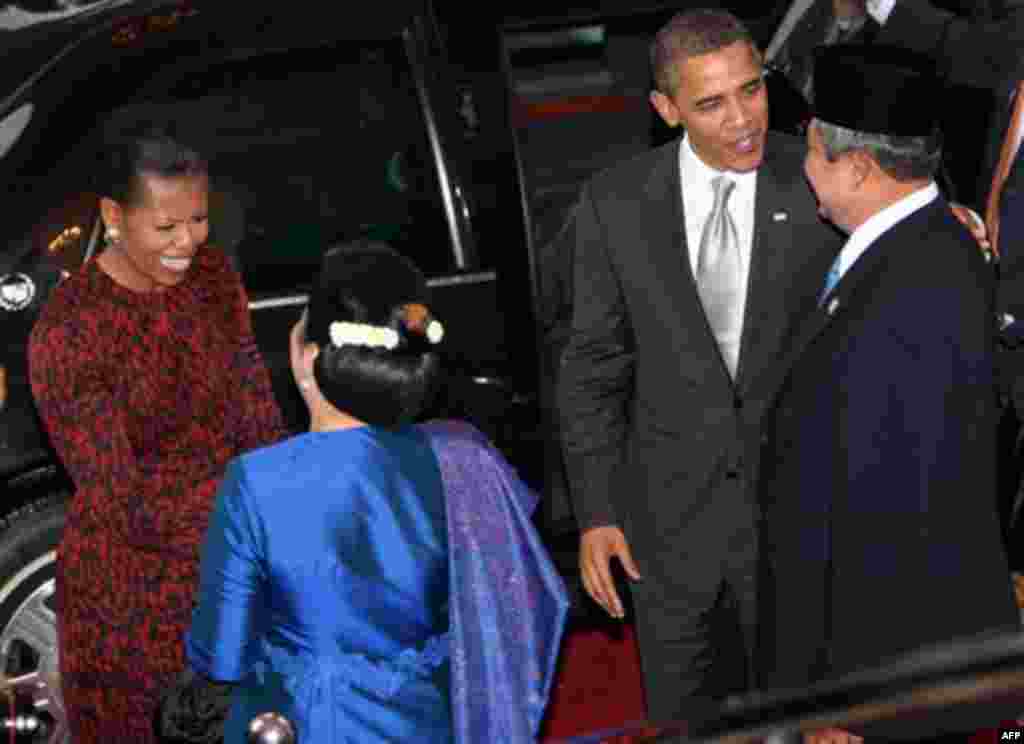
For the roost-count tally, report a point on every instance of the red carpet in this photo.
(598, 687)
(598, 684)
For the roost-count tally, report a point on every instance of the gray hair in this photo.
(692, 33)
(902, 158)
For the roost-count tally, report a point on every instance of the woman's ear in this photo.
(111, 212)
(310, 352)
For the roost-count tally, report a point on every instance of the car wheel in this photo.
(28, 621)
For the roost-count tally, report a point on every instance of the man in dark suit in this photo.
(691, 263)
(983, 49)
(880, 532)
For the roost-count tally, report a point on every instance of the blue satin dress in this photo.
(324, 588)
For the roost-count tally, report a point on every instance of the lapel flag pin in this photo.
(780, 216)
(833, 305)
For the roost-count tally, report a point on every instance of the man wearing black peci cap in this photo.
(977, 49)
(880, 533)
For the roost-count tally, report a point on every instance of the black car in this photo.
(321, 127)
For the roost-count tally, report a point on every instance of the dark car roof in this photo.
(527, 13)
(30, 52)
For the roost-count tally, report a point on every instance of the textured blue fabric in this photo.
(325, 565)
(508, 603)
(325, 589)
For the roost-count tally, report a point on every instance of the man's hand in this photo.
(597, 546)
(970, 219)
(832, 736)
(849, 9)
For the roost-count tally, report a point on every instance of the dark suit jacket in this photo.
(651, 418)
(878, 462)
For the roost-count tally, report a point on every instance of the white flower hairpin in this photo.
(415, 317)
(344, 333)
(435, 331)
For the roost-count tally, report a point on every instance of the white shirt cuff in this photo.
(880, 9)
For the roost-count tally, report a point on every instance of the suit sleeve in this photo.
(1010, 296)
(922, 433)
(596, 372)
(983, 54)
(921, 514)
(231, 583)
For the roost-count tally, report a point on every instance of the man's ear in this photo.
(666, 109)
(863, 164)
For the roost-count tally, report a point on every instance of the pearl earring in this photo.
(113, 235)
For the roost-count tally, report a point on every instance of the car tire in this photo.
(28, 623)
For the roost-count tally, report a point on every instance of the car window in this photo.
(308, 147)
(311, 147)
(13, 126)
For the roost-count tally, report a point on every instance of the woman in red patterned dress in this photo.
(146, 373)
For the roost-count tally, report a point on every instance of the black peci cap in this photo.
(876, 89)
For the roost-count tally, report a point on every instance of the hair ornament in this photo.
(417, 317)
(435, 331)
(344, 333)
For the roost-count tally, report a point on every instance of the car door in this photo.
(342, 140)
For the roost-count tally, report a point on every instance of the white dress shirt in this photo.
(862, 238)
(880, 9)
(698, 200)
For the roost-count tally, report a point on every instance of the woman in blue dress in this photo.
(374, 580)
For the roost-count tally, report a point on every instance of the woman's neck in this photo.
(117, 267)
(327, 420)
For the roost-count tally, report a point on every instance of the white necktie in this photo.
(718, 274)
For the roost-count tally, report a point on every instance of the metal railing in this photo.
(962, 686)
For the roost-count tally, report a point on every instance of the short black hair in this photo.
(369, 283)
(691, 33)
(131, 146)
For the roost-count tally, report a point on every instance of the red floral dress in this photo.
(146, 397)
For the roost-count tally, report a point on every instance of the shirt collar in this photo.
(697, 171)
(872, 228)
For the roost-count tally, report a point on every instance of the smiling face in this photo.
(159, 236)
(720, 100)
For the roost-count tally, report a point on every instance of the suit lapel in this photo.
(670, 260)
(772, 261)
